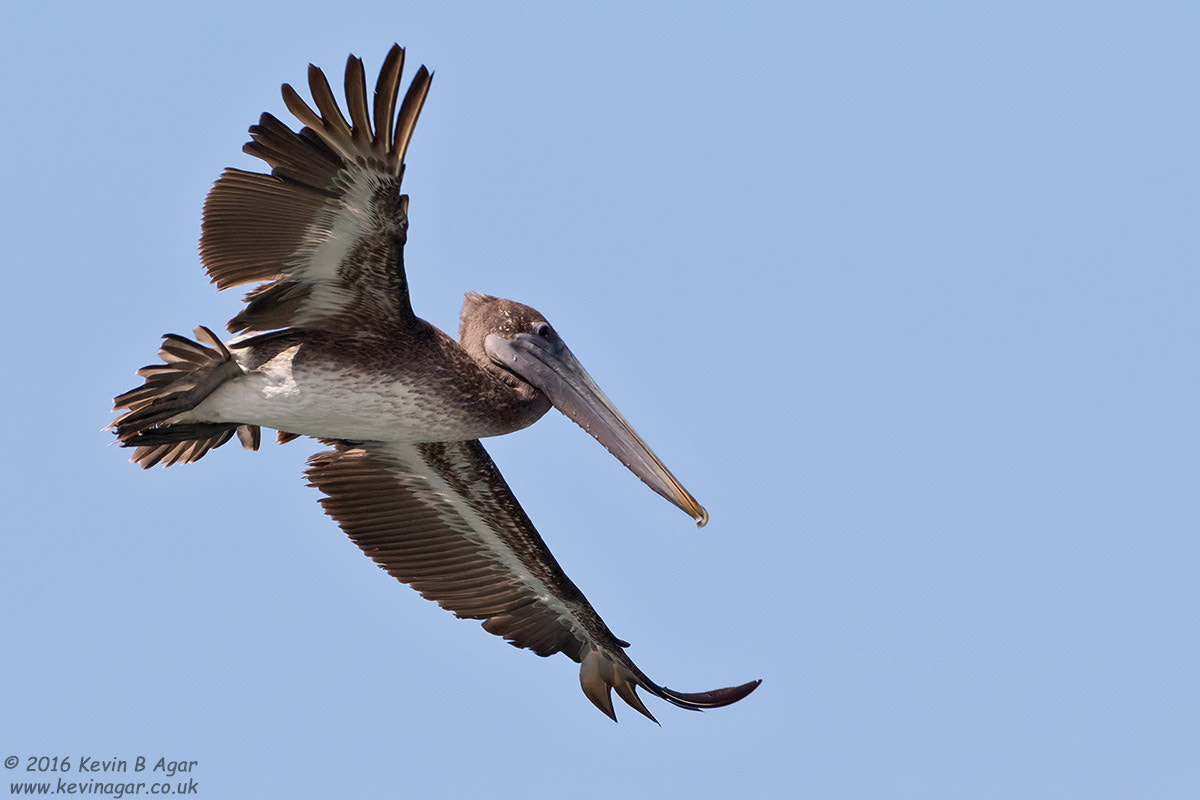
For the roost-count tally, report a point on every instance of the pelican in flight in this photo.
(329, 347)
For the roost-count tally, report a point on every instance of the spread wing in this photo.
(440, 517)
(325, 231)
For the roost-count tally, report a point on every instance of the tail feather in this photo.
(191, 371)
(172, 444)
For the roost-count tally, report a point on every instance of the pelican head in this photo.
(531, 355)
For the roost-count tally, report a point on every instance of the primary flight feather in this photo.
(331, 349)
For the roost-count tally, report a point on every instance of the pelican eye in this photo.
(542, 329)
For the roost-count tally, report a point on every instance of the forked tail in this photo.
(190, 372)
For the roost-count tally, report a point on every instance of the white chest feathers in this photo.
(337, 402)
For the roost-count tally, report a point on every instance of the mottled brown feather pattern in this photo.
(323, 236)
(326, 229)
(393, 502)
(440, 517)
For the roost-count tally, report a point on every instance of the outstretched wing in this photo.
(326, 229)
(440, 517)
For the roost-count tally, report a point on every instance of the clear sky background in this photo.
(905, 293)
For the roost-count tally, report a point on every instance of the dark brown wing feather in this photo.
(325, 231)
(441, 518)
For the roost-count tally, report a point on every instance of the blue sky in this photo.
(906, 294)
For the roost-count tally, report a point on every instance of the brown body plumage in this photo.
(334, 351)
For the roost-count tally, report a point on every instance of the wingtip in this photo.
(596, 677)
(716, 698)
(603, 701)
(601, 672)
(627, 689)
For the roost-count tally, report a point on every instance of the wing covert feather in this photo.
(325, 231)
(440, 517)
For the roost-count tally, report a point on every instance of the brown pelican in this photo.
(331, 349)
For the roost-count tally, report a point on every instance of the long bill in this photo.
(549, 365)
